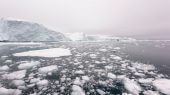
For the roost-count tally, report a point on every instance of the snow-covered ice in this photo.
(77, 90)
(4, 68)
(5, 91)
(110, 75)
(52, 52)
(47, 69)
(132, 86)
(28, 65)
(163, 85)
(15, 75)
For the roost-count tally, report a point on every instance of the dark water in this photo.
(153, 52)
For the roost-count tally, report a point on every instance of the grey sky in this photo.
(138, 18)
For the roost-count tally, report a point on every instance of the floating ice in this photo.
(117, 48)
(110, 75)
(149, 92)
(17, 83)
(85, 78)
(47, 69)
(163, 85)
(53, 52)
(115, 57)
(42, 83)
(77, 90)
(145, 81)
(77, 81)
(132, 86)
(101, 92)
(4, 68)
(79, 72)
(93, 56)
(144, 67)
(15, 75)
(4, 91)
(28, 65)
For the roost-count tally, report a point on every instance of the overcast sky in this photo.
(137, 18)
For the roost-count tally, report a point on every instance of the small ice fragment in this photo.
(47, 69)
(77, 90)
(110, 75)
(101, 92)
(79, 72)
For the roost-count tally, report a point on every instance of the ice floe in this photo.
(77, 90)
(132, 86)
(15, 75)
(42, 83)
(163, 85)
(100, 92)
(5, 91)
(52, 52)
(47, 69)
(110, 75)
(4, 68)
(28, 65)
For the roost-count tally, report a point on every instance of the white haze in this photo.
(144, 19)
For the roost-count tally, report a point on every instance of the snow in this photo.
(28, 65)
(15, 75)
(132, 86)
(163, 85)
(53, 52)
(4, 91)
(47, 69)
(77, 90)
(101, 92)
(110, 75)
(4, 68)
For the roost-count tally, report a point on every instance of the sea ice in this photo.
(4, 68)
(17, 83)
(163, 85)
(79, 72)
(28, 65)
(101, 92)
(53, 52)
(110, 75)
(77, 90)
(42, 83)
(132, 86)
(15, 75)
(47, 69)
(4, 91)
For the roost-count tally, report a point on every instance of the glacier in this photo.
(18, 30)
